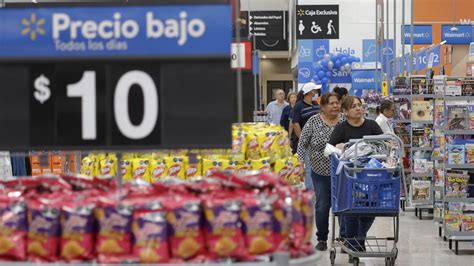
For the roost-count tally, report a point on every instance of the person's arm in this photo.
(296, 119)
(305, 139)
(284, 118)
(290, 129)
(297, 129)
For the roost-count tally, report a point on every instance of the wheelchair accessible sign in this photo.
(132, 31)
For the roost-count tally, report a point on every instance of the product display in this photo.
(75, 218)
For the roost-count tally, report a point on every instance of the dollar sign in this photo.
(42, 92)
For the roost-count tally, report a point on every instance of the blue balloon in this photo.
(318, 82)
(337, 64)
(324, 63)
(357, 59)
(316, 77)
(333, 57)
(325, 80)
(321, 74)
(317, 68)
(344, 60)
(328, 74)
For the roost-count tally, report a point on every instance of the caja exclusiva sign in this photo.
(165, 31)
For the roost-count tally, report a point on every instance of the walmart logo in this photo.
(32, 27)
(300, 12)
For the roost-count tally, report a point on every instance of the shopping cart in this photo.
(362, 192)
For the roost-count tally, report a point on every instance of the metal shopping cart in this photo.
(361, 192)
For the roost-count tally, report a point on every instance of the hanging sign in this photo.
(461, 34)
(317, 22)
(267, 24)
(422, 34)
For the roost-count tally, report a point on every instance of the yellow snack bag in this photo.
(126, 168)
(267, 144)
(244, 166)
(108, 166)
(210, 166)
(157, 169)
(175, 167)
(227, 165)
(87, 166)
(193, 169)
(262, 165)
(252, 146)
(141, 169)
(282, 169)
(239, 142)
(298, 170)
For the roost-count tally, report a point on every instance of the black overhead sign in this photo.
(267, 24)
(317, 22)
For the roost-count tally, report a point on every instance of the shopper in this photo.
(355, 127)
(285, 120)
(385, 111)
(303, 111)
(275, 108)
(341, 92)
(313, 139)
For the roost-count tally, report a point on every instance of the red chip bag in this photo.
(223, 226)
(297, 233)
(308, 215)
(257, 218)
(184, 217)
(282, 223)
(12, 226)
(114, 228)
(77, 236)
(150, 232)
(44, 228)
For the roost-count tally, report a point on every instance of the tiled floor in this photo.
(419, 245)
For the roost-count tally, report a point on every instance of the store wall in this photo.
(261, 5)
(441, 12)
(274, 69)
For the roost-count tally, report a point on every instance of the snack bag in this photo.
(239, 142)
(298, 170)
(185, 218)
(13, 228)
(126, 168)
(87, 166)
(114, 228)
(150, 232)
(209, 167)
(231, 166)
(223, 226)
(193, 166)
(282, 169)
(258, 225)
(267, 143)
(252, 146)
(298, 222)
(175, 166)
(77, 237)
(243, 167)
(262, 165)
(157, 169)
(108, 167)
(141, 169)
(282, 224)
(44, 228)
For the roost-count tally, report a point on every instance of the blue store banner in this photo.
(463, 35)
(125, 31)
(422, 34)
(363, 80)
(369, 50)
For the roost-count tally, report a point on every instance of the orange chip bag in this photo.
(184, 215)
(258, 224)
(175, 166)
(223, 226)
(13, 226)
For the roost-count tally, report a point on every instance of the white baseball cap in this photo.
(310, 86)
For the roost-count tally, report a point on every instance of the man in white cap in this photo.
(303, 111)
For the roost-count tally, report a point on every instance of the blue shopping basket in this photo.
(363, 191)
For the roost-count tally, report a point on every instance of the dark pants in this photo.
(357, 227)
(322, 189)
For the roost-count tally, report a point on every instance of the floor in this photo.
(419, 245)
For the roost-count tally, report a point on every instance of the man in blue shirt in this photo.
(275, 108)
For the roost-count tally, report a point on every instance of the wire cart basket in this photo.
(367, 192)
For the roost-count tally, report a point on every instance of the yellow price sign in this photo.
(384, 88)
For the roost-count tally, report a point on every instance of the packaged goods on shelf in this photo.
(422, 111)
(255, 146)
(457, 185)
(226, 217)
(421, 190)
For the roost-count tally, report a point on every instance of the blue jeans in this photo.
(308, 181)
(322, 188)
(357, 227)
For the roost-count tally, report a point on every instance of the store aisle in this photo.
(419, 245)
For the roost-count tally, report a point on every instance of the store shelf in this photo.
(423, 95)
(402, 96)
(421, 148)
(438, 158)
(421, 174)
(468, 200)
(455, 235)
(460, 166)
(422, 122)
(407, 145)
(402, 121)
(459, 132)
(459, 98)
